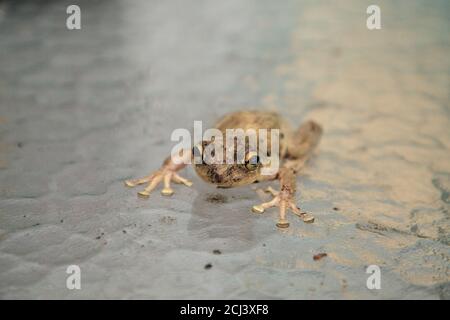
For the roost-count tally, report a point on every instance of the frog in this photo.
(296, 146)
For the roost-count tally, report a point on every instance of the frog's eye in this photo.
(197, 152)
(252, 161)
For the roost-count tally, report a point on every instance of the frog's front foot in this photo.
(167, 174)
(284, 201)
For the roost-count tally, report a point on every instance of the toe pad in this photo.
(129, 183)
(143, 194)
(257, 209)
(282, 224)
(167, 192)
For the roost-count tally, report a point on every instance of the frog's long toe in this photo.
(306, 217)
(135, 182)
(266, 205)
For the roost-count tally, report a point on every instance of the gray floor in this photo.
(80, 111)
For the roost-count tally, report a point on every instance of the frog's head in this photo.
(225, 174)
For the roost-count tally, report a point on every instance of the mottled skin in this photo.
(295, 148)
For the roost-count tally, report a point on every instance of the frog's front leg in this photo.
(285, 199)
(167, 173)
(302, 144)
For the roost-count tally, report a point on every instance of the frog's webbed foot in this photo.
(167, 174)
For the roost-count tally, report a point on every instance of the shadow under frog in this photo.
(221, 218)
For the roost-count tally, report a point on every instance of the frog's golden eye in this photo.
(252, 161)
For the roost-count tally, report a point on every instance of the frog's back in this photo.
(251, 120)
(257, 120)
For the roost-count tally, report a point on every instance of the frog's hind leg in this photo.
(302, 144)
(167, 173)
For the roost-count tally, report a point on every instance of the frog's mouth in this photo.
(226, 176)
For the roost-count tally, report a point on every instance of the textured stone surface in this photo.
(80, 111)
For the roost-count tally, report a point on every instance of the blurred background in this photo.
(83, 110)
